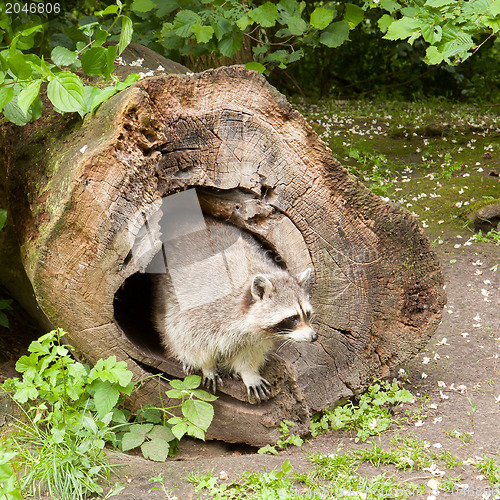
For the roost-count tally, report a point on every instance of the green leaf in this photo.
(156, 450)
(101, 96)
(438, 3)
(199, 413)
(143, 5)
(161, 432)
(28, 95)
(401, 29)
(335, 35)
(110, 9)
(179, 429)
(353, 15)
(61, 56)
(6, 95)
(126, 34)
(495, 7)
(183, 21)
(222, 27)
(384, 22)
(65, 91)
(321, 17)
(432, 33)
(390, 5)
(105, 397)
(196, 432)
(243, 22)
(230, 44)
(203, 34)
(131, 440)
(4, 321)
(111, 53)
(296, 25)
(14, 114)
(94, 61)
(3, 218)
(255, 66)
(266, 15)
(191, 382)
(203, 395)
(19, 66)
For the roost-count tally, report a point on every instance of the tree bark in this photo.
(75, 191)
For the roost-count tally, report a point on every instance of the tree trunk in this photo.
(77, 191)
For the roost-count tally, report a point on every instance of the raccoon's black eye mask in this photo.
(288, 323)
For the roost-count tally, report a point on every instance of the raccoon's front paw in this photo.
(210, 380)
(260, 389)
(188, 369)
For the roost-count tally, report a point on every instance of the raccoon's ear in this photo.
(303, 277)
(260, 286)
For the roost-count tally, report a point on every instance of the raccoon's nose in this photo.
(314, 336)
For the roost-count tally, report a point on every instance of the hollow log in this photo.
(77, 193)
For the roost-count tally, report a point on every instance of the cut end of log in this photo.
(254, 162)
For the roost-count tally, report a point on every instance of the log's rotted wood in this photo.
(377, 289)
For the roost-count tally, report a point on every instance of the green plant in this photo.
(68, 409)
(370, 417)
(71, 412)
(162, 487)
(460, 434)
(491, 236)
(9, 484)
(490, 469)
(157, 436)
(287, 438)
(24, 68)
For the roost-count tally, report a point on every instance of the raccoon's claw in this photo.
(210, 381)
(261, 390)
(188, 369)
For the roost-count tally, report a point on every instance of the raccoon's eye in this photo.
(288, 323)
(308, 314)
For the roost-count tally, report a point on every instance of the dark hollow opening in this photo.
(133, 313)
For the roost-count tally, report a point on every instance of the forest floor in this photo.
(441, 161)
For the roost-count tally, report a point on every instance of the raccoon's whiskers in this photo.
(288, 341)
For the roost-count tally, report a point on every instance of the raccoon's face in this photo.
(277, 305)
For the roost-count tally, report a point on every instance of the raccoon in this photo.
(230, 325)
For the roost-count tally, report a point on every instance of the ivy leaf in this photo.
(61, 56)
(321, 17)
(203, 34)
(65, 91)
(126, 34)
(266, 15)
(94, 61)
(335, 35)
(255, 66)
(230, 44)
(353, 15)
(401, 29)
(28, 95)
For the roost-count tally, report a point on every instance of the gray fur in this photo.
(235, 332)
